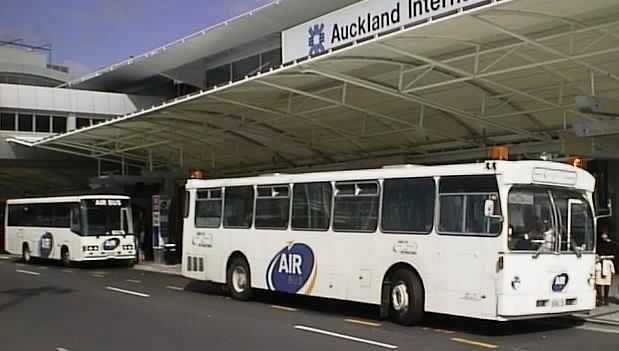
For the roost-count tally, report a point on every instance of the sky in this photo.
(89, 34)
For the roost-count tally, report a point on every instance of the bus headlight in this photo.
(516, 283)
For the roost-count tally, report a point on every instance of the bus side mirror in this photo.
(489, 210)
(605, 212)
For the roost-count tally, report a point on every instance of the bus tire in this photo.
(65, 256)
(238, 280)
(26, 256)
(406, 297)
(131, 263)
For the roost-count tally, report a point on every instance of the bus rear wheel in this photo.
(25, 254)
(406, 304)
(239, 279)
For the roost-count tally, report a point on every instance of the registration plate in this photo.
(558, 303)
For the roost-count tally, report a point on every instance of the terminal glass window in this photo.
(245, 67)
(25, 123)
(82, 122)
(7, 121)
(273, 207)
(462, 204)
(42, 124)
(356, 206)
(59, 124)
(408, 205)
(271, 59)
(311, 206)
(218, 76)
(208, 208)
(239, 207)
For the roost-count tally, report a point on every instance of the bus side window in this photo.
(311, 206)
(208, 208)
(75, 219)
(239, 207)
(272, 207)
(461, 201)
(408, 205)
(356, 206)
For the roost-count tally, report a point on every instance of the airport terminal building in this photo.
(299, 86)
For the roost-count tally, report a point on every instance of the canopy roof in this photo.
(445, 90)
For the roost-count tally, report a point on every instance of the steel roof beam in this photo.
(538, 44)
(378, 115)
(349, 138)
(417, 99)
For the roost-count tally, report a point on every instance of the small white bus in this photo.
(71, 228)
(495, 240)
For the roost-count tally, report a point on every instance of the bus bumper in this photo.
(511, 307)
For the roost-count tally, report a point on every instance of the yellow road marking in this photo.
(284, 308)
(362, 322)
(444, 331)
(474, 343)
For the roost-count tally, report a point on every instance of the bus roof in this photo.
(513, 172)
(64, 199)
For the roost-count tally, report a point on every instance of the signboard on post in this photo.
(157, 239)
(364, 20)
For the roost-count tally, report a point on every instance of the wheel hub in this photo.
(399, 297)
(239, 279)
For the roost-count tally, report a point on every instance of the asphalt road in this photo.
(47, 307)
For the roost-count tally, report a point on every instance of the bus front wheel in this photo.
(239, 279)
(406, 297)
(65, 257)
(25, 254)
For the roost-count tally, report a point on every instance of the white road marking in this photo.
(362, 322)
(600, 330)
(346, 337)
(134, 281)
(176, 288)
(129, 292)
(27, 272)
(20, 265)
(284, 308)
(5, 258)
(67, 271)
(98, 275)
(61, 349)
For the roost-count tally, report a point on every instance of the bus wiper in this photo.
(575, 249)
(539, 251)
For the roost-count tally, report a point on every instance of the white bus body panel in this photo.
(459, 273)
(40, 245)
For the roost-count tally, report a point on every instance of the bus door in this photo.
(469, 221)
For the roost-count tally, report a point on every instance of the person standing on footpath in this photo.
(604, 271)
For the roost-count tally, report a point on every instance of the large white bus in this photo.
(71, 228)
(496, 240)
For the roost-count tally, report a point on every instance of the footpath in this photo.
(608, 315)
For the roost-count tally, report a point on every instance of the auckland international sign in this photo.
(365, 19)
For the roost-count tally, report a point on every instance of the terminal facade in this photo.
(301, 86)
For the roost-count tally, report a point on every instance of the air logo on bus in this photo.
(46, 245)
(292, 270)
(560, 282)
(111, 244)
